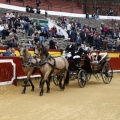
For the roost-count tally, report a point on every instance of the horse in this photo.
(49, 65)
(27, 62)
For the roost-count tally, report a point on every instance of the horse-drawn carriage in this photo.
(63, 69)
(86, 69)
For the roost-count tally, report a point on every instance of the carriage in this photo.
(86, 69)
(102, 69)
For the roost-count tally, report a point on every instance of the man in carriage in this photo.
(78, 54)
(70, 49)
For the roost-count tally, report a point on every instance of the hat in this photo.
(97, 51)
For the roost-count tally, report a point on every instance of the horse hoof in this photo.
(32, 90)
(23, 92)
(48, 91)
(41, 94)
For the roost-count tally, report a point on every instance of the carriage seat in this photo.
(103, 56)
(95, 65)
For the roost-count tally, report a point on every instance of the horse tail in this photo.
(67, 78)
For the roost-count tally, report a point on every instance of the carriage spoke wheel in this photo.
(82, 78)
(107, 73)
(56, 79)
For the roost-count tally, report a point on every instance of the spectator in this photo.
(98, 42)
(59, 34)
(42, 38)
(27, 8)
(38, 10)
(78, 40)
(5, 33)
(54, 30)
(8, 52)
(8, 1)
(38, 2)
(31, 10)
(87, 15)
(52, 44)
(12, 40)
(73, 35)
(13, 52)
(46, 14)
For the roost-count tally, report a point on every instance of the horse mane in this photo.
(45, 51)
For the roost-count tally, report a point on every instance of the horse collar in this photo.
(45, 61)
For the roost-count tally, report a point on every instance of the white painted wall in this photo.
(56, 13)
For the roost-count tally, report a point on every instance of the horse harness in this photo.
(29, 62)
(53, 66)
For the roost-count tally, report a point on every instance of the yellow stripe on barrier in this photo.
(55, 54)
(113, 55)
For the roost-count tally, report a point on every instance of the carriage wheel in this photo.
(107, 73)
(56, 80)
(82, 78)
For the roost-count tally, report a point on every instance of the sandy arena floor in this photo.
(96, 101)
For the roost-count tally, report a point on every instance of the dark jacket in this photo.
(70, 48)
(79, 52)
(51, 44)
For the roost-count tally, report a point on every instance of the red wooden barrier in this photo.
(115, 62)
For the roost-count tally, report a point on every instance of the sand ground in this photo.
(96, 101)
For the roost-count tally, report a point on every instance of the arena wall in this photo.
(19, 73)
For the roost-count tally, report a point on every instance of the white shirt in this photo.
(1, 27)
(59, 33)
(69, 27)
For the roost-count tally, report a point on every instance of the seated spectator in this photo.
(87, 15)
(12, 40)
(31, 10)
(38, 10)
(93, 16)
(52, 43)
(36, 37)
(59, 34)
(8, 52)
(13, 52)
(27, 8)
(5, 33)
(42, 38)
(110, 44)
(1, 28)
(78, 40)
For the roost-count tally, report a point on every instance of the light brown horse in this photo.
(27, 62)
(49, 65)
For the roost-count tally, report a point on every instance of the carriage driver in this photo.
(70, 48)
(78, 54)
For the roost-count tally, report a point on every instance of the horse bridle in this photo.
(28, 62)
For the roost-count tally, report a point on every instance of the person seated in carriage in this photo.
(70, 49)
(87, 59)
(78, 54)
(99, 59)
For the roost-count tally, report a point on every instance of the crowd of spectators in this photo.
(79, 33)
(105, 38)
(11, 22)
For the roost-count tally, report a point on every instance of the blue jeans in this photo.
(42, 39)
